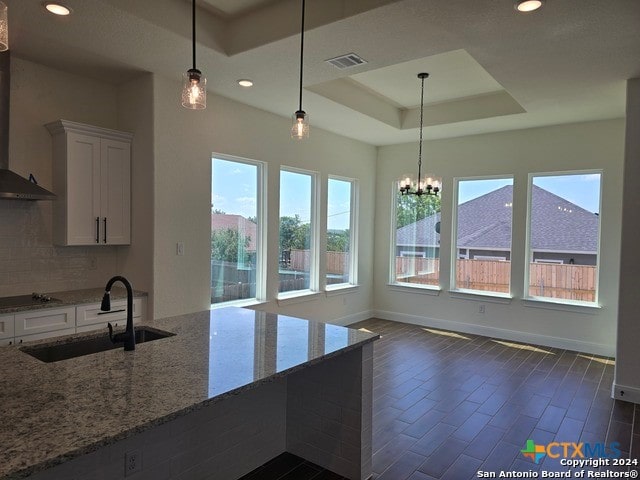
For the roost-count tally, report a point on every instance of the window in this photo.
(340, 232)
(415, 256)
(482, 238)
(564, 236)
(236, 246)
(297, 247)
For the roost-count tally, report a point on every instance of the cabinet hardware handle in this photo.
(105, 229)
(97, 229)
(112, 311)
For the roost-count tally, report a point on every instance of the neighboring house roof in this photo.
(485, 223)
(223, 221)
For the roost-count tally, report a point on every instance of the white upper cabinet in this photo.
(92, 178)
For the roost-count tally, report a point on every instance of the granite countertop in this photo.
(54, 412)
(74, 297)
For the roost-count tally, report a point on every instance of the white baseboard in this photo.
(626, 393)
(353, 318)
(487, 331)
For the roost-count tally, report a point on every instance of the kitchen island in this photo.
(230, 390)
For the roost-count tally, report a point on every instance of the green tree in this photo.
(411, 208)
(338, 240)
(294, 234)
(229, 246)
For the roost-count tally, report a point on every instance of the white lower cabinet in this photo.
(6, 330)
(90, 317)
(45, 320)
(54, 322)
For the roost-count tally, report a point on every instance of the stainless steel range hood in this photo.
(12, 185)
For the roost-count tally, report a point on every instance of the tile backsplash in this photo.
(30, 262)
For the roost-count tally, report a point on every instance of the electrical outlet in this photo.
(132, 462)
(180, 248)
(481, 308)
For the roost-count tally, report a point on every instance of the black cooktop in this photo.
(26, 300)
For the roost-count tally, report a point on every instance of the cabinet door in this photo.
(83, 189)
(91, 314)
(44, 321)
(115, 174)
(6, 327)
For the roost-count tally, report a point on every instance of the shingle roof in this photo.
(223, 221)
(485, 222)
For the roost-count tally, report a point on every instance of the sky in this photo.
(582, 190)
(234, 186)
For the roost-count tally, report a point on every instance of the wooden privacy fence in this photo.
(575, 282)
(553, 280)
(337, 262)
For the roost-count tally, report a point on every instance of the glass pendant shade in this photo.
(4, 28)
(300, 127)
(194, 90)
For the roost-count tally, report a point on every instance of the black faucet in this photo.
(129, 336)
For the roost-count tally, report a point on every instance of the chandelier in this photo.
(429, 186)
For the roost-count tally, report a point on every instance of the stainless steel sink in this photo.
(54, 352)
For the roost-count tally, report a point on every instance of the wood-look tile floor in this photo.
(447, 405)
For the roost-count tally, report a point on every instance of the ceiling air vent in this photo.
(346, 61)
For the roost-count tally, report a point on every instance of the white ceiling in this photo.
(565, 63)
(232, 7)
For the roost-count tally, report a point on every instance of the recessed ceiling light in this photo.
(528, 5)
(245, 82)
(57, 8)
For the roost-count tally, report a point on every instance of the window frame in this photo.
(261, 228)
(353, 232)
(454, 237)
(314, 232)
(529, 254)
(392, 278)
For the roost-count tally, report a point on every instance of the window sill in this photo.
(297, 297)
(340, 289)
(250, 302)
(481, 296)
(556, 304)
(410, 288)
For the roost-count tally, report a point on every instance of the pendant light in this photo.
(194, 84)
(300, 128)
(429, 186)
(4, 28)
